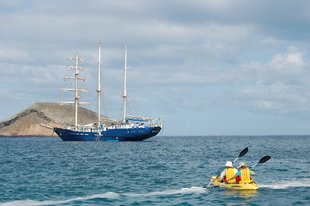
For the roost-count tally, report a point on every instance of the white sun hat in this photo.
(228, 164)
(241, 164)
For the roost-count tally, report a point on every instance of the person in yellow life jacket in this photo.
(245, 174)
(228, 175)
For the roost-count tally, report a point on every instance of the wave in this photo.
(191, 190)
(287, 184)
(107, 195)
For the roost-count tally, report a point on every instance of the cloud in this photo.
(293, 61)
(275, 86)
(30, 75)
(286, 66)
(278, 85)
(277, 97)
(14, 55)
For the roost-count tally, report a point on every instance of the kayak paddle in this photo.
(262, 160)
(241, 154)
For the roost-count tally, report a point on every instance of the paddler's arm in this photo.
(220, 177)
(236, 175)
(232, 177)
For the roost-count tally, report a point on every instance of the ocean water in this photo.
(159, 171)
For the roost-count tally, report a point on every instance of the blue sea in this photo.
(159, 171)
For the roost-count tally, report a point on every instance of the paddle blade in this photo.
(244, 151)
(264, 159)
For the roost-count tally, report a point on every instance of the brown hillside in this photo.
(34, 120)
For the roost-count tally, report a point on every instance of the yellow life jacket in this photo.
(245, 177)
(229, 173)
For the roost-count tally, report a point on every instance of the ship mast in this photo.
(125, 87)
(77, 91)
(99, 86)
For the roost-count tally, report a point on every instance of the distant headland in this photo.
(39, 119)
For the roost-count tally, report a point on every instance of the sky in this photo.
(224, 67)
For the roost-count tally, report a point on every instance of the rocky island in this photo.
(39, 119)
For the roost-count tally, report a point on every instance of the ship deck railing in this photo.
(91, 128)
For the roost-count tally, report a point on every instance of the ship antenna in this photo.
(99, 86)
(125, 87)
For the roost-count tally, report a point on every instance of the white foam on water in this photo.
(287, 184)
(20, 202)
(107, 195)
(191, 190)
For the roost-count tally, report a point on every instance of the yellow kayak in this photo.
(216, 183)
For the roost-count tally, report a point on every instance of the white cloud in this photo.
(277, 97)
(32, 76)
(291, 61)
(14, 55)
(278, 85)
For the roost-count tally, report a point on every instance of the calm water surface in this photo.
(160, 171)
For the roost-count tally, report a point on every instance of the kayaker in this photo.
(229, 174)
(244, 173)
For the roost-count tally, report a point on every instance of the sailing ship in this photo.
(130, 128)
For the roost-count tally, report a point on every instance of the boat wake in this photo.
(287, 184)
(191, 190)
(107, 195)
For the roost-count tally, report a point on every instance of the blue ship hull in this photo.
(121, 134)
